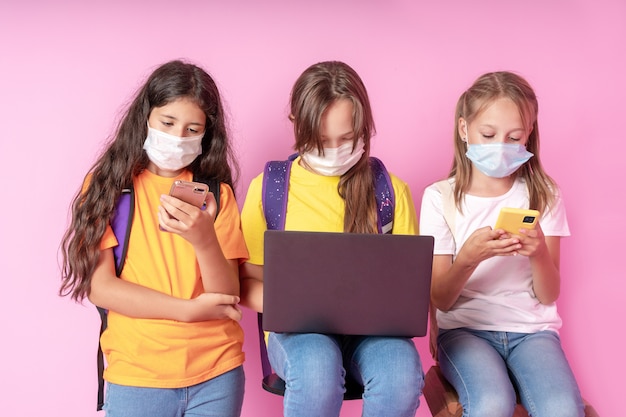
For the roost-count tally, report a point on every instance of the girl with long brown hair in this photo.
(173, 328)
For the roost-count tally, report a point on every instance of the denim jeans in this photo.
(221, 396)
(488, 369)
(314, 368)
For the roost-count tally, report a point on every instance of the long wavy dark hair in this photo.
(124, 158)
(484, 91)
(314, 91)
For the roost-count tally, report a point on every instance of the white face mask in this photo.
(171, 152)
(335, 161)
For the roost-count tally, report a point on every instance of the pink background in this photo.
(68, 67)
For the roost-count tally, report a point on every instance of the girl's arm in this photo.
(219, 275)
(252, 286)
(253, 225)
(112, 293)
(544, 253)
(449, 278)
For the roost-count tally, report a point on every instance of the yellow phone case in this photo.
(513, 219)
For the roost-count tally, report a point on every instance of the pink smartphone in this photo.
(190, 192)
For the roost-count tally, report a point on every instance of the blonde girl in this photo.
(496, 292)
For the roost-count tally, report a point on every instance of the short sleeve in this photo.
(404, 217)
(253, 221)
(554, 219)
(228, 226)
(433, 223)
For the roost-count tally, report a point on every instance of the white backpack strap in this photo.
(449, 214)
(449, 207)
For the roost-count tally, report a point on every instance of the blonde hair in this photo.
(318, 87)
(485, 90)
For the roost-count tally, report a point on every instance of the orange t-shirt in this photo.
(167, 353)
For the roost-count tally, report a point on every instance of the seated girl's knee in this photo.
(491, 405)
(408, 378)
(320, 389)
(564, 407)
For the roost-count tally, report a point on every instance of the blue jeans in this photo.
(314, 368)
(221, 396)
(488, 369)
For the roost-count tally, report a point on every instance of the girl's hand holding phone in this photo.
(524, 225)
(486, 243)
(187, 220)
(532, 241)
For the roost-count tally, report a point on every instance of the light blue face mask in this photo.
(497, 160)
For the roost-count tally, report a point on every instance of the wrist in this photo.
(466, 263)
(207, 243)
(184, 310)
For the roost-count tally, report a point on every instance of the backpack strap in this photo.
(121, 223)
(275, 191)
(214, 188)
(385, 198)
(266, 367)
(100, 359)
(446, 189)
(449, 206)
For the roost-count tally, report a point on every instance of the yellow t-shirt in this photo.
(314, 205)
(168, 353)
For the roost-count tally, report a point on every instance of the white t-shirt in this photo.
(499, 295)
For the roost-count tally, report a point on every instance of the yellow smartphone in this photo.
(190, 192)
(513, 219)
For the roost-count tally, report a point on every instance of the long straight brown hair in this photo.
(485, 90)
(314, 91)
(125, 158)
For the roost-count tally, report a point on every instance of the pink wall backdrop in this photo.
(68, 67)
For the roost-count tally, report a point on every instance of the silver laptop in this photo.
(345, 283)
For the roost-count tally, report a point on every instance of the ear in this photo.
(462, 128)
